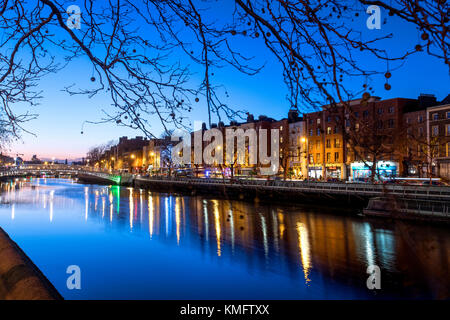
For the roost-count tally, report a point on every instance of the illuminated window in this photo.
(435, 116)
(337, 143)
(328, 130)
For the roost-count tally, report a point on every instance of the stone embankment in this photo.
(20, 279)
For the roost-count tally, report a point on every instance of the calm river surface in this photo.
(135, 244)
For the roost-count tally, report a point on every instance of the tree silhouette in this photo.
(142, 52)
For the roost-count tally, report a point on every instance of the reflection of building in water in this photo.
(309, 247)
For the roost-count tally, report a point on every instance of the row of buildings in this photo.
(362, 138)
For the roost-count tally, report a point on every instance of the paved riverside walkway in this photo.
(20, 279)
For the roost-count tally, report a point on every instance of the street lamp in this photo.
(305, 148)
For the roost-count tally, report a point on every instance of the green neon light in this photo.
(117, 179)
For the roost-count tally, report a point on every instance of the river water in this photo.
(135, 244)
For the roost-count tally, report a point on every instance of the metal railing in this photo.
(434, 192)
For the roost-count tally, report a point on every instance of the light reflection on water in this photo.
(131, 243)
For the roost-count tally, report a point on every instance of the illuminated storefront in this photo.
(315, 172)
(333, 171)
(384, 168)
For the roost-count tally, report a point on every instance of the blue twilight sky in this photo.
(57, 130)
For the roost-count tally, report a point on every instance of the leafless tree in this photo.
(96, 153)
(418, 148)
(143, 52)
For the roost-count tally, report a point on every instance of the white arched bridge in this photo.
(60, 170)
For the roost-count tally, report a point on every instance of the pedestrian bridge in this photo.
(58, 171)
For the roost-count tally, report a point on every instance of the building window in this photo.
(318, 120)
(328, 119)
(336, 157)
(317, 157)
(336, 130)
(357, 126)
(380, 110)
(281, 128)
(420, 119)
(337, 143)
(448, 114)
(391, 109)
(380, 124)
(435, 131)
(318, 131)
(447, 129)
(408, 121)
(356, 114)
(328, 130)
(328, 157)
(281, 139)
(365, 114)
(311, 132)
(347, 123)
(435, 116)
(311, 158)
(448, 150)
(421, 132)
(390, 123)
(328, 143)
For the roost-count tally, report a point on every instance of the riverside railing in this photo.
(428, 192)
